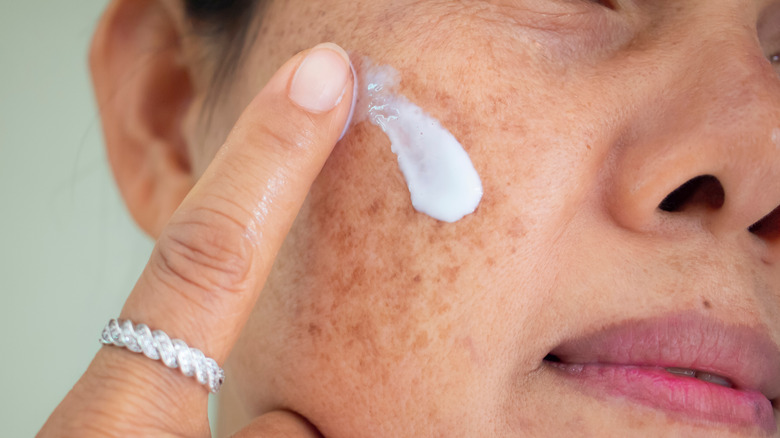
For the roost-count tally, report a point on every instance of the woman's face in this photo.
(581, 118)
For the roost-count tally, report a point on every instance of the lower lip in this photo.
(681, 396)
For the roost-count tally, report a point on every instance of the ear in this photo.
(144, 91)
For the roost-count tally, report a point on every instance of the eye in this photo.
(609, 4)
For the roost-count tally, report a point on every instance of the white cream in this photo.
(442, 180)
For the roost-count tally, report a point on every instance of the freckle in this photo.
(314, 330)
(491, 261)
(516, 229)
(445, 332)
(376, 207)
(358, 275)
(443, 309)
(477, 241)
(421, 341)
(417, 278)
(451, 273)
(707, 304)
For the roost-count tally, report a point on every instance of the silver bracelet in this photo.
(157, 345)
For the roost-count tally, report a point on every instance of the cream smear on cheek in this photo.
(441, 179)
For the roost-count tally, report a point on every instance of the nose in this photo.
(702, 147)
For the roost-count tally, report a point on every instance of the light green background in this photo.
(69, 253)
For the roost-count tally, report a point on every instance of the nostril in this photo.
(768, 228)
(704, 190)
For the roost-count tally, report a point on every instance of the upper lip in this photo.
(743, 354)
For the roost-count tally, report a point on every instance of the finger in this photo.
(214, 255)
(279, 424)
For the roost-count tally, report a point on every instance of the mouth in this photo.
(693, 368)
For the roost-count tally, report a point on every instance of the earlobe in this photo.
(144, 92)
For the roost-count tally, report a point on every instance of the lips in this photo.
(690, 366)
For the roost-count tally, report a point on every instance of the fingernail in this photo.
(321, 80)
(354, 101)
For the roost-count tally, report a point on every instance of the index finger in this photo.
(213, 257)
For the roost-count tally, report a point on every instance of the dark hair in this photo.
(226, 23)
(223, 17)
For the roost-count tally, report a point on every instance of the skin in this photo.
(379, 321)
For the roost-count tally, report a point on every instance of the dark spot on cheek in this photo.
(477, 241)
(706, 304)
(422, 341)
(516, 229)
(358, 275)
(449, 274)
(377, 207)
(314, 330)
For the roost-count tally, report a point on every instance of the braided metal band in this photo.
(157, 345)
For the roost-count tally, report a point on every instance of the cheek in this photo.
(368, 293)
(363, 315)
(371, 294)
(392, 276)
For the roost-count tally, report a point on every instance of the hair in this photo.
(219, 16)
(226, 24)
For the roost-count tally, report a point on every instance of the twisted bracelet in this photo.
(157, 345)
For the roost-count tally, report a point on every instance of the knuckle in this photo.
(209, 251)
(288, 134)
(111, 397)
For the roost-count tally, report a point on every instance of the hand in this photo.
(212, 259)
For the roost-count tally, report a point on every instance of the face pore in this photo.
(378, 320)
